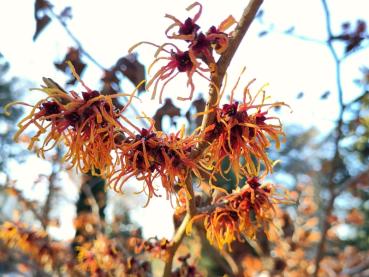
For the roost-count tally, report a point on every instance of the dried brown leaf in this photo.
(167, 109)
(73, 55)
(130, 67)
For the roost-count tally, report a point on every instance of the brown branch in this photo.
(28, 204)
(93, 204)
(216, 83)
(179, 235)
(221, 67)
(362, 179)
(336, 157)
(48, 202)
(356, 269)
(243, 25)
(52, 188)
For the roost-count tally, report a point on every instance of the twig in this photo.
(356, 269)
(179, 235)
(175, 243)
(29, 204)
(339, 134)
(85, 187)
(48, 202)
(347, 106)
(304, 38)
(75, 39)
(362, 177)
(50, 195)
(216, 83)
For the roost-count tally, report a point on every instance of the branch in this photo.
(347, 106)
(358, 99)
(28, 204)
(339, 135)
(75, 39)
(356, 269)
(179, 235)
(302, 37)
(221, 67)
(208, 119)
(48, 202)
(52, 189)
(362, 179)
(85, 187)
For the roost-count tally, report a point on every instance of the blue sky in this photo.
(108, 28)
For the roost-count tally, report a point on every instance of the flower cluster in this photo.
(242, 132)
(102, 257)
(158, 248)
(152, 154)
(33, 243)
(197, 58)
(241, 213)
(89, 125)
(101, 140)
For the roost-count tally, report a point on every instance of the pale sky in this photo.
(108, 28)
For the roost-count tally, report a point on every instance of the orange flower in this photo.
(104, 257)
(158, 248)
(239, 214)
(190, 61)
(31, 242)
(178, 62)
(150, 155)
(221, 227)
(242, 132)
(89, 125)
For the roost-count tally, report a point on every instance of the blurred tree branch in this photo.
(338, 136)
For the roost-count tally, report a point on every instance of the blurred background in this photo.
(314, 55)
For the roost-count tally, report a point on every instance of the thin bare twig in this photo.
(356, 269)
(28, 204)
(338, 137)
(51, 188)
(75, 39)
(85, 187)
(304, 38)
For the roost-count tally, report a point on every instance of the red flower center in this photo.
(188, 27)
(183, 60)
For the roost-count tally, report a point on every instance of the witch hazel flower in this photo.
(242, 132)
(88, 123)
(154, 155)
(196, 58)
(241, 213)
